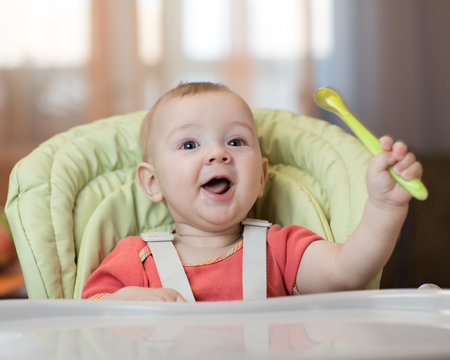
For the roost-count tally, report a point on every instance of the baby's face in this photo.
(206, 158)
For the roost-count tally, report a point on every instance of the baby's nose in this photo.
(220, 155)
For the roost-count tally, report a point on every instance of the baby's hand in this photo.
(381, 186)
(146, 294)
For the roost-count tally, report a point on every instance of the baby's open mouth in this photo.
(217, 186)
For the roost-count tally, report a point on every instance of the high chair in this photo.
(75, 196)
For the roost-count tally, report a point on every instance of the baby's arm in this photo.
(328, 266)
(138, 293)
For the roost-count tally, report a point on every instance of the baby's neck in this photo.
(197, 246)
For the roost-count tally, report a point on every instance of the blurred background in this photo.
(64, 63)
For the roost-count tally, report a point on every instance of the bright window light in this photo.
(322, 27)
(276, 28)
(150, 30)
(206, 29)
(44, 33)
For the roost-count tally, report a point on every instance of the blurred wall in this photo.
(391, 63)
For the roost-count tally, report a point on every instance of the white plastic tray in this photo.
(382, 324)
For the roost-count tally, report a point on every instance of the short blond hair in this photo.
(182, 90)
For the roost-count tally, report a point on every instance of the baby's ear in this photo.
(147, 181)
(264, 174)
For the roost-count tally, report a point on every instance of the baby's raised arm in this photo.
(328, 266)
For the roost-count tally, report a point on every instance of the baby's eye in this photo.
(189, 145)
(236, 142)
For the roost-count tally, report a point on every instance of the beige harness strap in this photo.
(254, 267)
(168, 263)
(254, 263)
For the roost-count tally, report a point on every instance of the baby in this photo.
(201, 158)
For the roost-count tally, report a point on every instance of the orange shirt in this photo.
(131, 264)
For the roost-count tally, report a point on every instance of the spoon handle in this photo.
(330, 100)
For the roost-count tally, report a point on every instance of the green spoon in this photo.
(330, 100)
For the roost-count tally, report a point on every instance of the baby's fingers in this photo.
(404, 162)
(386, 142)
(414, 169)
(398, 149)
(171, 295)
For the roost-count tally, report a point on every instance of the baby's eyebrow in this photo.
(250, 127)
(189, 126)
(179, 128)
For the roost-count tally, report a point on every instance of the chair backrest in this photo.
(75, 196)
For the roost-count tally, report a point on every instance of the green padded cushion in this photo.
(75, 196)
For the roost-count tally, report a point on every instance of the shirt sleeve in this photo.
(287, 245)
(122, 267)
